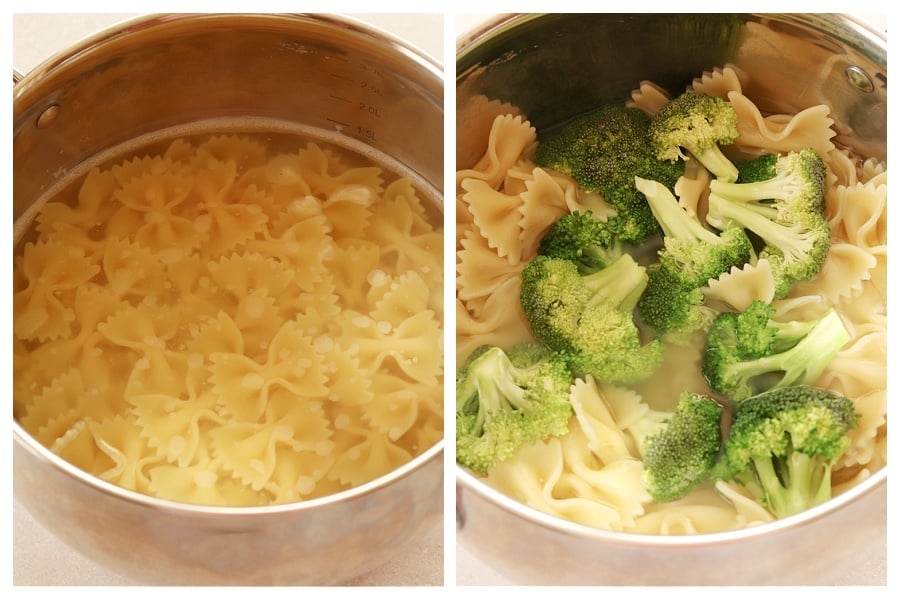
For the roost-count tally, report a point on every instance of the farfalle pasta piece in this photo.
(618, 483)
(146, 331)
(244, 150)
(349, 383)
(545, 200)
(809, 128)
(845, 269)
(300, 475)
(648, 97)
(225, 225)
(304, 247)
(692, 189)
(720, 81)
(511, 138)
(499, 320)
(83, 223)
(533, 476)
(154, 197)
(315, 311)
(171, 425)
(479, 270)
(497, 215)
(348, 210)
(351, 266)
(374, 456)
(132, 270)
(413, 344)
(49, 270)
(397, 227)
(249, 449)
(205, 483)
(291, 363)
(394, 409)
(859, 367)
(740, 286)
(407, 295)
(858, 213)
(602, 434)
(244, 273)
(123, 457)
(867, 436)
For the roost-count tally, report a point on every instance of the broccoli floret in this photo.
(699, 124)
(676, 311)
(786, 211)
(588, 318)
(583, 239)
(679, 448)
(759, 168)
(507, 399)
(690, 250)
(673, 303)
(603, 151)
(748, 352)
(782, 446)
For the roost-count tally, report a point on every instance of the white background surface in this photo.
(40, 559)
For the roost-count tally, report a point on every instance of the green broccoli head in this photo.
(554, 294)
(507, 399)
(673, 308)
(680, 451)
(698, 124)
(607, 345)
(749, 352)
(582, 238)
(786, 211)
(783, 443)
(604, 151)
(759, 168)
(588, 318)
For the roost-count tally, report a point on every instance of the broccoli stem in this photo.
(804, 361)
(620, 284)
(794, 241)
(793, 483)
(716, 162)
(673, 219)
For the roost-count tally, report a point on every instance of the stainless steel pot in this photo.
(553, 67)
(154, 73)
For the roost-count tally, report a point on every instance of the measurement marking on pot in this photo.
(341, 98)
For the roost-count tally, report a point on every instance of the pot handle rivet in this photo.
(47, 116)
(859, 79)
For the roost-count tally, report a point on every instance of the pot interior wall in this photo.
(554, 67)
(157, 74)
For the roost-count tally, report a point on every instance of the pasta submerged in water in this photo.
(225, 324)
(592, 474)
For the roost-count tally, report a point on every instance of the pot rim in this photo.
(136, 24)
(467, 482)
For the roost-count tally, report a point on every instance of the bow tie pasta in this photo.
(237, 319)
